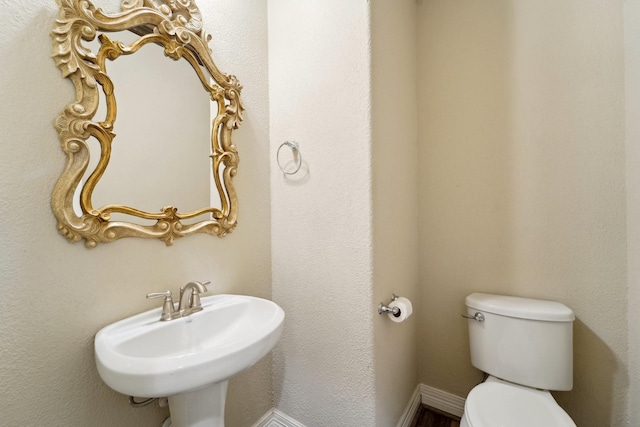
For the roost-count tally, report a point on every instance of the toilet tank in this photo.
(522, 340)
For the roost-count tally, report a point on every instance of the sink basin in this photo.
(144, 357)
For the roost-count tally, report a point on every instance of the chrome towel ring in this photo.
(295, 148)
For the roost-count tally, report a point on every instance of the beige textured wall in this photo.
(522, 182)
(395, 199)
(319, 83)
(632, 92)
(56, 296)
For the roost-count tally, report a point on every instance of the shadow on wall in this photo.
(595, 383)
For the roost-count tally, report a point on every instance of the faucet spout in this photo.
(190, 296)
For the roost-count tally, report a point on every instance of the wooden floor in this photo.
(429, 417)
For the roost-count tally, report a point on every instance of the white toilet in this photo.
(526, 348)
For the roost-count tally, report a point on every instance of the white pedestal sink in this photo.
(188, 359)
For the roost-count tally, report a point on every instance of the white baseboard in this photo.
(446, 402)
(430, 396)
(412, 408)
(275, 418)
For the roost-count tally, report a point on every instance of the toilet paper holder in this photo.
(393, 310)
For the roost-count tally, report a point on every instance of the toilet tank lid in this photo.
(522, 308)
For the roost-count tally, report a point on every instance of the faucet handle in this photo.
(167, 306)
(166, 294)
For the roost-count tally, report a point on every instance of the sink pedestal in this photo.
(200, 408)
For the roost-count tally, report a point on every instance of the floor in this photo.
(429, 417)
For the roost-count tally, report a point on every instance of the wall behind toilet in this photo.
(56, 296)
(522, 182)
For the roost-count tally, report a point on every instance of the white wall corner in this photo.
(427, 395)
(438, 399)
(412, 408)
(275, 418)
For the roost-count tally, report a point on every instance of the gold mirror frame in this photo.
(176, 25)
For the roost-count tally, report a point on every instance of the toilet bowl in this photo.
(525, 346)
(497, 403)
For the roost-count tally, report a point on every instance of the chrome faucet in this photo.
(189, 301)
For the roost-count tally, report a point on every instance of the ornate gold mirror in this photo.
(87, 45)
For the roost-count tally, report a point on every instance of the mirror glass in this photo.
(148, 137)
(160, 156)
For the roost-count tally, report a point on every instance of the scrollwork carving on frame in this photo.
(176, 25)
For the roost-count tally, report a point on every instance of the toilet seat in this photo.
(501, 404)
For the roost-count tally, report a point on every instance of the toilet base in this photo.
(498, 402)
